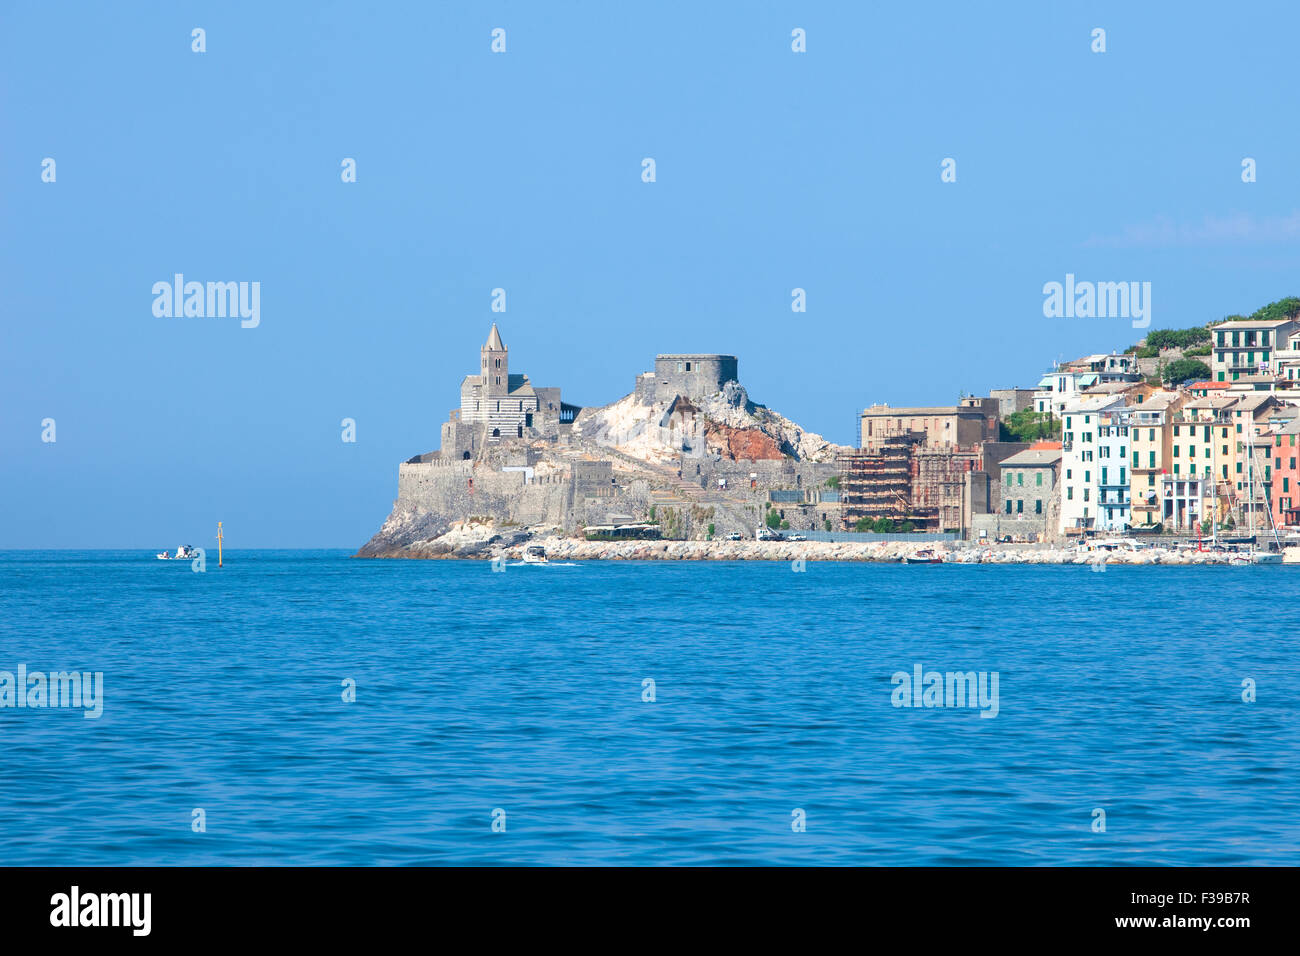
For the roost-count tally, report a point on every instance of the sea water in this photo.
(310, 708)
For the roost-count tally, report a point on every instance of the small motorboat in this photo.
(535, 554)
(924, 556)
(183, 553)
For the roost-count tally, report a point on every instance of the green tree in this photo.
(1028, 425)
(1281, 309)
(1185, 370)
(1174, 339)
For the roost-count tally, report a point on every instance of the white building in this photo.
(1250, 347)
(1081, 462)
(1113, 504)
(1287, 358)
(1057, 389)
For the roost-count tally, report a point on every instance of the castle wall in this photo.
(582, 492)
(695, 376)
(771, 473)
(444, 487)
(645, 388)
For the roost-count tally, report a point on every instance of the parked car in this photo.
(767, 534)
(796, 537)
(735, 536)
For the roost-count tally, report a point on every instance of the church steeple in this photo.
(495, 364)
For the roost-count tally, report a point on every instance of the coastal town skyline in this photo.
(375, 249)
(1186, 432)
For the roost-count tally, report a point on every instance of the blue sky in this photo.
(521, 170)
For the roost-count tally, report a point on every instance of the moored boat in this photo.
(923, 556)
(183, 553)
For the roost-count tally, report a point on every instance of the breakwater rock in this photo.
(486, 539)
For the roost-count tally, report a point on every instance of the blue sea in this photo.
(519, 698)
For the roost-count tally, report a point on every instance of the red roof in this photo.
(1044, 445)
(1208, 384)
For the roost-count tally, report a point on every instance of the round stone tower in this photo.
(697, 375)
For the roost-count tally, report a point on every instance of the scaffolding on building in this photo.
(877, 483)
(903, 479)
(939, 486)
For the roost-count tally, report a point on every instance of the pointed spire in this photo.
(494, 340)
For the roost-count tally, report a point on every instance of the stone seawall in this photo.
(458, 490)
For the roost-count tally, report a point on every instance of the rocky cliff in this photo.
(698, 466)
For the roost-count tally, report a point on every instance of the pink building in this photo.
(1286, 478)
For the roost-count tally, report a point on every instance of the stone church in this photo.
(496, 406)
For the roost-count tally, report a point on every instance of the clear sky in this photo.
(522, 170)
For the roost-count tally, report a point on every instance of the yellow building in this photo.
(1149, 440)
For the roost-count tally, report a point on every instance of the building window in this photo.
(1038, 506)
(1040, 478)
(1020, 506)
(1008, 506)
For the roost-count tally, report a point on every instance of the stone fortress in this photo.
(686, 449)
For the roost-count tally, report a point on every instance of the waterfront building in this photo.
(1081, 464)
(1150, 448)
(1029, 482)
(1286, 478)
(1113, 500)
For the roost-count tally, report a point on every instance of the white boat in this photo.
(1257, 555)
(923, 556)
(535, 554)
(183, 553)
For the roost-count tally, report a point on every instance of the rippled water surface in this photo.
(522, 691)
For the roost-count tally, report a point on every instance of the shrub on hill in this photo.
(1028, 425)
(1175, 339)
(1186, 370)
